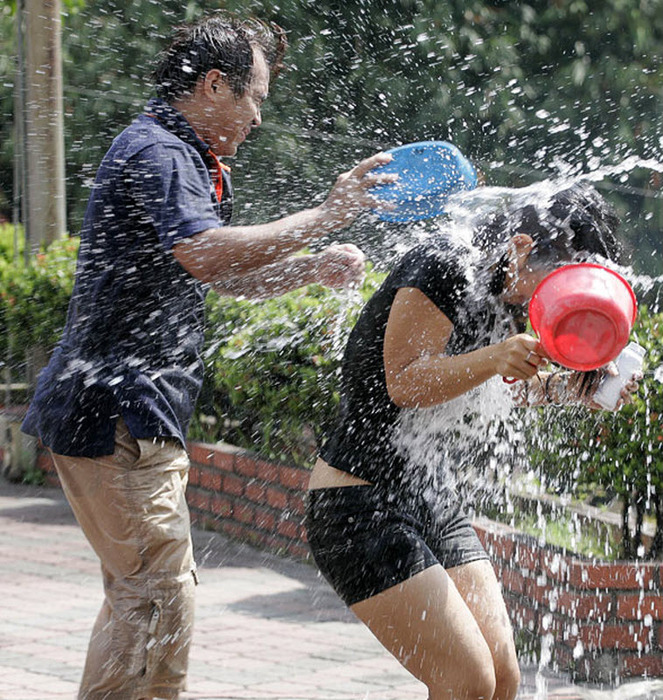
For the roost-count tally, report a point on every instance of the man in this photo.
(115, 401)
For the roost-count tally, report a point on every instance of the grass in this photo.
(565, 531)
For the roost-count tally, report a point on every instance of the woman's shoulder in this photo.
(442, 257)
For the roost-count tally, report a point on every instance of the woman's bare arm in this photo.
(418, 372)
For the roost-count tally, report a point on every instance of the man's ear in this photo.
(213, 82)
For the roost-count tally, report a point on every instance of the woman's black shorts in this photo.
(365, 541)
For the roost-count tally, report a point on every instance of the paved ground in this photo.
(267, 628)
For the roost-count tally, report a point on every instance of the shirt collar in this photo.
(173, 120)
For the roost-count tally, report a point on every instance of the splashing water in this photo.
(447, 438)
(349, 300)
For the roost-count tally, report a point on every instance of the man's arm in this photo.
(337, 266)
(219, 256)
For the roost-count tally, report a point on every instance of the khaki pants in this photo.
(132, 509)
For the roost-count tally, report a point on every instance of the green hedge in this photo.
(33, 296)
(273, 369)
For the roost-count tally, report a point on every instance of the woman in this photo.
(384, 519)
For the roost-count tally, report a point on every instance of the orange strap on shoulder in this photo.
(219, 167)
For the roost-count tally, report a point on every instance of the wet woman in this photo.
(385, 523)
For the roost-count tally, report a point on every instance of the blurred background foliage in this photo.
(526, 90)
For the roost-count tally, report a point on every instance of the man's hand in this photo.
(341, 266)
(349, 196)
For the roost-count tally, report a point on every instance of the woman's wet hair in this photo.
(220, 41)
(575, 224)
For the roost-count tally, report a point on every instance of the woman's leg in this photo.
(425, 623)
(479, 588)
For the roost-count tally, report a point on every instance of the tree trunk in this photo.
(627, 548)
(43, 118)
(656, 548)
(636, 546)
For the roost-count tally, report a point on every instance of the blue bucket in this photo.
(428, 172)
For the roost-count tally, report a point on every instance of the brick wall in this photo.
(247, 498)
(598, 620)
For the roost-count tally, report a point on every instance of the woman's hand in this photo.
(518, 357)
(580, 387)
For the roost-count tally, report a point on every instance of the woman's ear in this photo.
(520, 246)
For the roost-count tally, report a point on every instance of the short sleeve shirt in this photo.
(361, 442)
(132, 342)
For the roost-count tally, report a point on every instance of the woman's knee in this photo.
(475, 684)
(507, 675)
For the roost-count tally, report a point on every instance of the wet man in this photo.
(115, 401)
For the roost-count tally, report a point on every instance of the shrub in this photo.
(273, 369)
(35, 295)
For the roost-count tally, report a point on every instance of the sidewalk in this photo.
(267, 628)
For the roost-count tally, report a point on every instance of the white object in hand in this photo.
(629, 361)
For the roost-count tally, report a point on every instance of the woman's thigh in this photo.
(479, 588)
(427, 625)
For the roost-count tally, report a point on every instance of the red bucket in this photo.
(583, 314)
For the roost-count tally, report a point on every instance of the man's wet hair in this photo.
(220, 41)
(574, 224)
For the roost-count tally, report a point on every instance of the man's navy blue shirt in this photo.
(132, 343)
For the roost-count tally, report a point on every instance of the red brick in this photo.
(255, 492)
(289, 528)
(246, 465)
(267, 471)
(294, 477)
(539, 591)
(298, 551)
(223, 460)
(564, 660)
(265, 520)
(512, 580)
(499, 546)
(650, 665)
(555, 565)
(244, 513)
(626, 636)
(526, 557)
(296, 503)
(235, 529)
(198, 499)
(194, 475)
(210, 480)
(277, 498)
(586, 607)
(200, 453)
(623, 576)
(521, 616)
(233, 484)
(221, 505)
(634, 607)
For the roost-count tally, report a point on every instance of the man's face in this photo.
(230, 119)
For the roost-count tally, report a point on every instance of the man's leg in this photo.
(132, 509)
